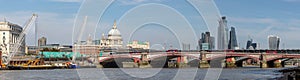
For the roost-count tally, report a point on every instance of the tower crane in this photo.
(15, 48)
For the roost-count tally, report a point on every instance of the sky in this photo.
(161, 22)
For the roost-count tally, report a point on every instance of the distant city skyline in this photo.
(256, 18)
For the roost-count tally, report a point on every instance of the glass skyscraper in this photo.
(223, 34)
(232, 39)
(273, 42)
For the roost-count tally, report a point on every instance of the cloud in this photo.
(66, 1)
(135, 2)
(56, 27)
(260, 28)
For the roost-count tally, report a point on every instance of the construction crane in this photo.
(79, 39)
(7, 58)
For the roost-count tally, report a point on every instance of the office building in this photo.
(273, 42)
(222, 34)
(232, 39)
(206, 42)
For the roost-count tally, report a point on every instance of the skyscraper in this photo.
(206, 42)
(223, 34)
(273, 42)
(249, 42)
(232, 39)
(212, 43)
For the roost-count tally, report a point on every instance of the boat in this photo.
(36, 64)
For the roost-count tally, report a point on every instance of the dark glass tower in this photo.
(249, 42)
(232, 39)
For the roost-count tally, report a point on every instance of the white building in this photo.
(223, 34)
(140, 45)
(9, 34)
(113, 40)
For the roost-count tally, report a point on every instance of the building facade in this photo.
(88, 47)
(273, 42)
(232, 39)
(223, 34)
(139, 45)
(42, 41)
(113, 39)
(9, 34)
(250, 45)
(206, 42)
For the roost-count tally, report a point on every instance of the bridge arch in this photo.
(173, 55)
(165, 60)
(117, 61)
(116, 57)
(230, 56)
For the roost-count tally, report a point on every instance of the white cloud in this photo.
(286, 30)
(56, 27)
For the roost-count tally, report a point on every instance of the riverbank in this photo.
(290, 73)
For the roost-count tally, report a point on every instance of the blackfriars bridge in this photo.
(201, 59)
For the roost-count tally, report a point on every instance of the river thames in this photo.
(140, 74)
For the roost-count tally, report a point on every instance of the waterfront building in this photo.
(42, 41)
(232, 39)
(48, 47)
(222, 34)
(273, 42)
(206, 42)
(113, 40)
(138, 45)
(87, 47)
(9, 34)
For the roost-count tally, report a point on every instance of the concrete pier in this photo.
(144, 64)
(204, 64)
(129, 65)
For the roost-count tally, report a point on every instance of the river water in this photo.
(142, 74)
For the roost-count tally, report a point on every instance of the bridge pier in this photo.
(203, 63)
(144, 62)
(230, 63)
(263, 64)
(181, 62)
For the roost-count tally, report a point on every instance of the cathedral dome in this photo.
(114, 33)
(114, 38)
